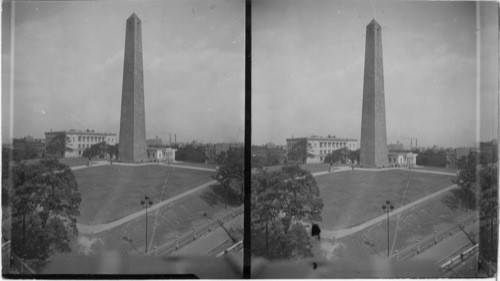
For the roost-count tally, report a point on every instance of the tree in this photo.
(112, 150)
(99, 150)
(488, 212)
(45, 205)
(190, 153)
(231, 173)
(432, 158)
(58, 145)
(281, 202)
(467, 180)
(488, 152)
(299, 152)
(354, 155)
(338, 156)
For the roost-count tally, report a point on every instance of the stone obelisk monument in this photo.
(373, 149)
(132, 144)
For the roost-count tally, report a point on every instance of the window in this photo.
(79, 138)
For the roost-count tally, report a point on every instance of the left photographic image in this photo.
(123, 138)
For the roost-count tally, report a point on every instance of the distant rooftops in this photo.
(321, 138)
(80, 132)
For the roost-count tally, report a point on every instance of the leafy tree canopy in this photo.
(432, 158)
(99, 150)
(190, 153)
(45, 204)
(342, 156)
(299, 152)
(281, 201)
(231, 173)
(58, 145)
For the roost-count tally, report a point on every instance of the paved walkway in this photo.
(346, 168)
(107, 163)
(93, 229)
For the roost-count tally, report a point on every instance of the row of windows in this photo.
(92, 139)
(335, 144)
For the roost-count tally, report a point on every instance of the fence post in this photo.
(435, 237)
(156, 252)
(397, 255)
(450, 229)
(209, 225)
(418, 246)
(177, 242)
(194, 233)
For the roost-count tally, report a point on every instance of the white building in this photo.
(78, 140)
(318, 147)
(402, 159)
(161, 154)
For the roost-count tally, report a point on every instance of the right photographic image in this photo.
(374, 139)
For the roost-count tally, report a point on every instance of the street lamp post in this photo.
(146, 202)
(388, 207)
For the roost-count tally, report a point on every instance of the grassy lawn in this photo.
(72, 162)
(174, 219)
(112, 192)
(313, 168)
(416, 223)
(351, 198)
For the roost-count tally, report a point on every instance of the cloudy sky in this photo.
(308, 63)
(67, 59)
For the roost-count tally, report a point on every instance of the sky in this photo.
(67, 67)
(308, 65)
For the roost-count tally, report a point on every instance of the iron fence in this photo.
(181, 241)
(430, 241)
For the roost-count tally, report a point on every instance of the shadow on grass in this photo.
(460, 198)
(216, 194)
